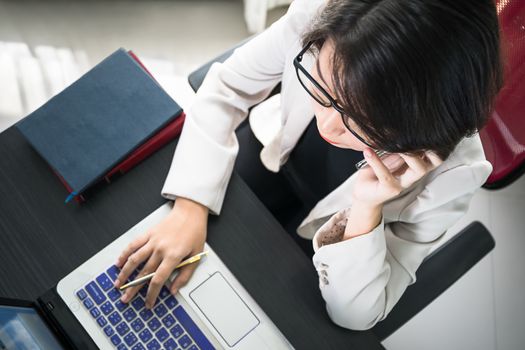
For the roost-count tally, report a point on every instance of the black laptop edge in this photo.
(58, 318)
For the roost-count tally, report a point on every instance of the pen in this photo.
(363, 163)
(143, 279)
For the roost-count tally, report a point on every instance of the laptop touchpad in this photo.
(224, 309)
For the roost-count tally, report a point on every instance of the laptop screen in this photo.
(23, 328)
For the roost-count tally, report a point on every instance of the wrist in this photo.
(189, 207)
(363, 218)
(366, 203)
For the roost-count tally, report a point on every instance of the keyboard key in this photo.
(122, 347)
(193, 347)
(162, 334)
(192, 329)
(113, 272)
(144, 290)
(122, 328)
(130, 339)
(146, 314)
(115, 339)
(114, 318)
(145, 335)
(164, 292)
(81, 294)
(129, 314)
(114, 294)
(137, 325)
(171, 302)
(95, 293)
(154, 324)
(168, 321)
(120, 305)
(170, 344)
(177, 331)
(88, 303)
(160, 310)
(94, 312)
(138, 346)
(184, 341)
(107, 308)
(153, 345)
(109, 331)
(138, 303)
(104, 282)
(101, 321)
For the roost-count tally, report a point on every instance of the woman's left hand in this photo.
(385, 178)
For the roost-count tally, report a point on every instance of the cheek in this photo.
(357, 145)
(316, 107)
(344, 140)
(347, 139)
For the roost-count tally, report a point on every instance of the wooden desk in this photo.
(42, 239)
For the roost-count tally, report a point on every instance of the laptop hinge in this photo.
(58, 315)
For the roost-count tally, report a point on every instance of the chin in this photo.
(347, 147)
(356, 146)
(359, 148)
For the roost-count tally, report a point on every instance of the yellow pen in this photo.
(143, 279)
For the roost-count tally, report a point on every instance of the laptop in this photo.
(212, 311)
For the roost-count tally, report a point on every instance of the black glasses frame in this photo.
(332, 102)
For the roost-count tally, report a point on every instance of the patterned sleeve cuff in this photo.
(332, 231)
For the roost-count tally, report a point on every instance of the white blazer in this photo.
(362, 278)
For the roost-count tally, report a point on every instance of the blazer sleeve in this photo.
(361, 279)
(206, 152)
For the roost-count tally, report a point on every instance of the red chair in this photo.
(503, 137)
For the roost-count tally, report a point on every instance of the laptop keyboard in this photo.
(131, 326)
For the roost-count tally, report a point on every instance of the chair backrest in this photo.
(437, 273)
(503, 137)
(196, 77)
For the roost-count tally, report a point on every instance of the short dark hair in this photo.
(414, 75)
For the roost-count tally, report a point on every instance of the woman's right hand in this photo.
(178, 236)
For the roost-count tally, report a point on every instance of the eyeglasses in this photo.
(323, 98)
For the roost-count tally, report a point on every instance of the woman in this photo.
(415, 78)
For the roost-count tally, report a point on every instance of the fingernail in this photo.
(368, 152)
(124, 299)
(148, 306)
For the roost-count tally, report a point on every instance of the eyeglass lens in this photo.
(316, 94)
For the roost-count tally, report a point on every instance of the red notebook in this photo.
(168, 133)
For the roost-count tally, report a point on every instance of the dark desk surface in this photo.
(42, 240)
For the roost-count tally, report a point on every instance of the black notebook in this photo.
(92, 125)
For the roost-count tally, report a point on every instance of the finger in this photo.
(151, 266)
(131, 264)
(161, 275)
(380, 169)
(434, 158)
(393, 162)
(183, 277)
(418, 165)
(130, 249)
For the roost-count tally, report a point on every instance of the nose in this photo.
(330, 122)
